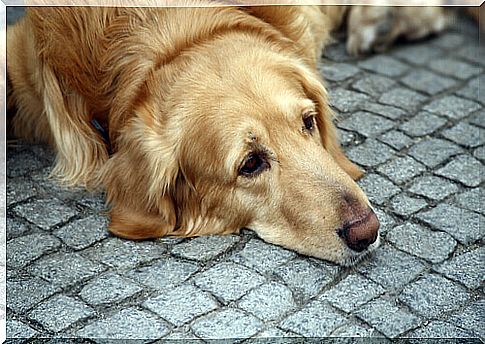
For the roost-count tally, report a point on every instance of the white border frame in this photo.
(138, 3)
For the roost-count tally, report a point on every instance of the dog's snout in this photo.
(361, 233)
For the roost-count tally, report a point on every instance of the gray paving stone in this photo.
(466, 135)
(452, 107)
(402, 98)
(401, 169)
(316, 319)
(373, 84)
(43, 152)
(388, 318)
(182, 304)
(345, 100)
(227, 323)
(471, 318)
(454, 68)
(51, 188)
(432, 151)
(129, 323)
(171, 241)
(387, 222)
(24, 293)
(164, 274)
(24, 163)
(424, 243)
(268, 301)
(416, 53)
(17, 329)
(205, 248)
(124, 254)
(427, 82)
(20, 189)
(384, 110)
(391, 268)
(479, 153)
(467, 268)
(384, 65)
(228, 281)
(370, 153)
(64, 269)
(472, 89)
(108, 289)
(478, 118)
(462, 224)
(396, 139)
(424, 123)
(439, 329)
(333, 268)
(448, 41)
(304, 278)
(350, 332)
(352, 292)
(94, 201)
(430, 296)
(276, 335)
(465, 169)
(23, 250)
(366, 124)
(347, 138)
(15, 228)
(338, 52)
(472, 200)
(60, 312)
(261, 256)
(59, 338)
(181, 335)
(377, 188)
(338, 71)
(472, 52)
(82, 233)
(45, 213)
(404, 205)
(433, 187)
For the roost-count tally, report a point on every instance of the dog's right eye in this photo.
(253, 165)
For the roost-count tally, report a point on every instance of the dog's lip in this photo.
(354, 257)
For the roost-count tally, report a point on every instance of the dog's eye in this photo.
(252, 165)
(309, 122)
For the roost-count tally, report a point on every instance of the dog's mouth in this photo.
(353, 257)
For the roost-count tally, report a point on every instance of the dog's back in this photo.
(103, 54)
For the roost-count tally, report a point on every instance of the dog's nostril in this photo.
(359, 234)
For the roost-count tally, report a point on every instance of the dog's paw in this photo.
(368, 28)
(374, 29)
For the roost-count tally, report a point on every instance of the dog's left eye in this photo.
(253, 165)
(309, 122)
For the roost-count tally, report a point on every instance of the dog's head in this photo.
(247, 142)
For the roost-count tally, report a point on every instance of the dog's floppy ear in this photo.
(314, 89)
(139, 179)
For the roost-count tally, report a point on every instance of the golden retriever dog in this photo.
(199, 121)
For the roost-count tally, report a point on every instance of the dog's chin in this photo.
(351, 258)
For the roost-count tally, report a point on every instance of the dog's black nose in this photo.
(361, 233)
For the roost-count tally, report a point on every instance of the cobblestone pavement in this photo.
(412, 117)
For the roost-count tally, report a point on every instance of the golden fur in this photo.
(185, 95)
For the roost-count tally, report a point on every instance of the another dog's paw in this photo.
(374, 29)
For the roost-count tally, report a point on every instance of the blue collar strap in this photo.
(103, 134)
